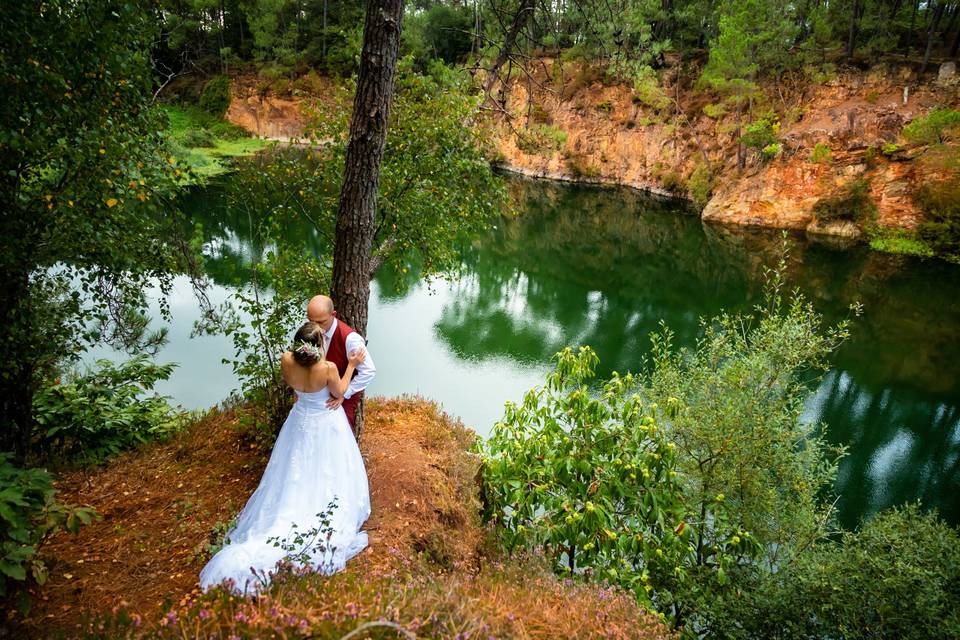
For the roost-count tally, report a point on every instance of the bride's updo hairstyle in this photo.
(308, 344)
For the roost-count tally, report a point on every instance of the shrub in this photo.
(898, 241)
(606, 106)
(714, 110)
(580, 166)
(650, 482)
(592, 478)
(932, 128)
(542, 137)
(889, 148)
(310, 84)
(898, 577)
(540, 115)
(761, 133)
(772, 150)
(821, 154)
(852, 202)
(229, 131)
(103, 411)
(194, 138)
(647, 90)
(215, 98)
(29, 514)
(669, 178)
(700, 185)
(940, 203)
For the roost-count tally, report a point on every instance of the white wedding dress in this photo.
(315, 461)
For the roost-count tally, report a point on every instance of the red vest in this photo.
(337, 354)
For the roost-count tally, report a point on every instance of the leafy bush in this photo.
(715, 110)
(228, 131)
(647, 89)
(761, 133)
(940, 228)
(103, 411)
(898, 577)
(700, 185)
(852, 203)
(542, 137)
(30, 513)
(593, 479)
(652, 483)
(197, 138)
(898, 241)
(889, 148)
(580, 166)
(772, 150)
(821, 153)
(932, 128)
(215, 98)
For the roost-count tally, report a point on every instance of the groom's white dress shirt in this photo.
(365, 371)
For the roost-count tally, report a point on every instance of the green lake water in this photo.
(603, 267)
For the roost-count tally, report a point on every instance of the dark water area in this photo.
(604, 267)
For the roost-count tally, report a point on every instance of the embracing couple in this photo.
(313, 497)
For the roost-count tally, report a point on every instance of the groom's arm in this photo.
(365, 370)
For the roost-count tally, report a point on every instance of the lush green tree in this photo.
(436, 188)
(685, 481)
(83, 186)
(897, 577)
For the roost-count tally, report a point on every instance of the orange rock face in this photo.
(613, 136)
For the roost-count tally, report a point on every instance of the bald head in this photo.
(320, 310)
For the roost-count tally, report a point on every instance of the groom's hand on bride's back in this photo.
(334, 403)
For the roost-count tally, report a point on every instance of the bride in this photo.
(313, 496)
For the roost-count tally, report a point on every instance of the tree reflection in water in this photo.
(604, 267)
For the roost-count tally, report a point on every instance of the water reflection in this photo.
(605, 267)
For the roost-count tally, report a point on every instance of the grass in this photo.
(898, 241)
(206, 143)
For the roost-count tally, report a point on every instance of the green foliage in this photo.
(852, 202)
(204, 143)
(700, 185)
(898, 577)
(715, 110)
(87, 185)
(440, 33)
(101, 412)
(215, 98)
(541, 138)
(933, 127)
(580, 165)
(821, 154)
(889, 148)
(761, 134)
(436, 188)
(647, 89)
(897, 241)
(593, 479)
(29, 514)
(772, 150)
(669, 178)
(940, 228)
(685, 482)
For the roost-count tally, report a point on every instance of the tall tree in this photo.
(83, 177)
(356, 215)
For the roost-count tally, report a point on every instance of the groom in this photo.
(339, 340)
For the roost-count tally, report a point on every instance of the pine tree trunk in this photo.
(931, 33)
(361, 176)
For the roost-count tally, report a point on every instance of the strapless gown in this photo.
(315, 461)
